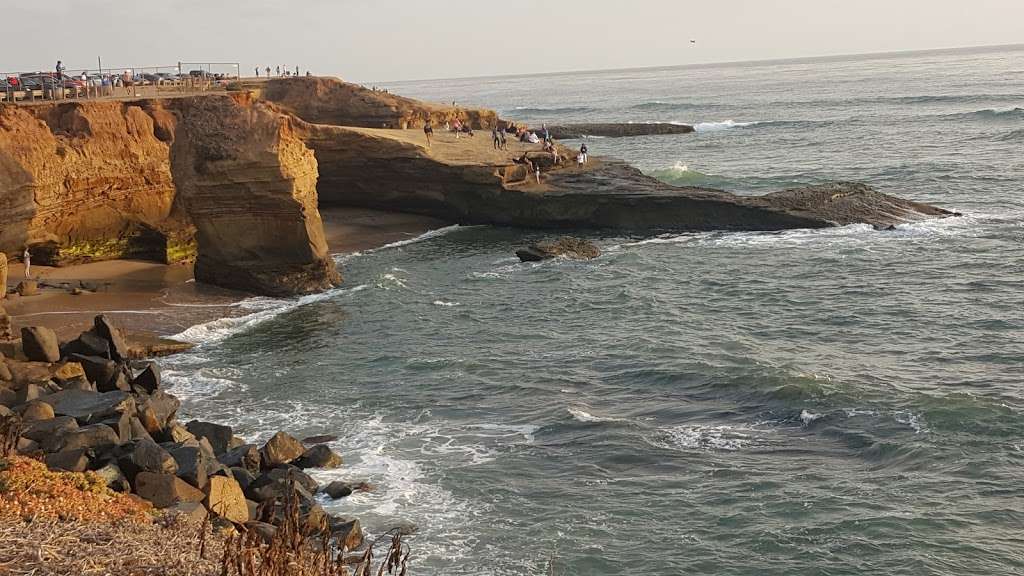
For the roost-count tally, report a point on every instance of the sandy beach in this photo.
(159, 299)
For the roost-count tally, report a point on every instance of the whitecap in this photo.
(584, 416)
(263, 309)
(807, 417)
(719, 126)
(443, 303)
(701, 437)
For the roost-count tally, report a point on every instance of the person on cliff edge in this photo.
(428, 131)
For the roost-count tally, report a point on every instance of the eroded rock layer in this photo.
(96, 180)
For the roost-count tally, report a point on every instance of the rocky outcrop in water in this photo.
(387, 170)
(219, 178)
(569, 247)
(616, 130)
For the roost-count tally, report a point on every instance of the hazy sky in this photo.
(365, 40)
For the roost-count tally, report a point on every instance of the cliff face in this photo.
(101, 180)
(249, 185)
(84, 177)
(467, 183)
(331, 101)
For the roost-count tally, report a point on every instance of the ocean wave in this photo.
(720, 126)
(660, 106)
(263, 309)
(682, 175)
(988, 114)
(538, 111)
(444, 303)
(1014, 136)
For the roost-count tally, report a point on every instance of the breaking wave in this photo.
(719, 126)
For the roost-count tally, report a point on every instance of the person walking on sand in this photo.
(27, 258)
(428, 131)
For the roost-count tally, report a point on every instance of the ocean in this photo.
(841, 401)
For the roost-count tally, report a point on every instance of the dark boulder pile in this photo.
(84, 406)
(569, 247)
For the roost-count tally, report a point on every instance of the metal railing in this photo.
(116, 82)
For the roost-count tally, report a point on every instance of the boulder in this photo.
(281, 449)
(148, 379)
(26, 446)
(145, 456)
(274, 485)
(165, 490)
(105, 329)
(573, 248)
(95, 437)
(90, 407)
(68, 460)
(36, 410)
(218, 435)
(99, 371)
(246, 456)
(8, 397)
(43, 430)
(244, 477)
(5, 372)
(266, 532)
(5, 411)
(193, 464)
(121, 425)
(190, 512)
(114, 478)
(29, 393)
(27, 287)
(157, 411)
(319, 456)
(88, 344)
(40, 344)
(139, 431)
(320, 439)
(178, 434)
(348, 531)
(338, 489)
(224, 497)
(68, 373)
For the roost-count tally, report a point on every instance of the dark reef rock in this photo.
(616, 130)
(574, 248)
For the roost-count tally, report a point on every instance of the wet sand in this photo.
(151, 298)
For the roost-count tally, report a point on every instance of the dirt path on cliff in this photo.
(146, 297)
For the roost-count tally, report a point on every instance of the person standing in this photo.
(428, 131)
(27, 258)
(583, 153)
(504, 142)
(296, 70)
(267, 70)
(495, 138)
(257, 71)
(278, 70)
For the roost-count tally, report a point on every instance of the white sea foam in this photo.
(263, 309)
(719, 126)
(443, 303)
(807, 417)
(700, 437)
(584, 416)
(912, 420)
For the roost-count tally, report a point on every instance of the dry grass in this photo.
(52, 547)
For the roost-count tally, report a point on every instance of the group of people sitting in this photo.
(498, 136)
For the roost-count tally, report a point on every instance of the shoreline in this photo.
(149, 299)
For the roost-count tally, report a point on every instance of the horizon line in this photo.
(890, 53)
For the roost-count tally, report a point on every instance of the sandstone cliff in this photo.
(331, 101)
(99, 180)
(467, 182)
